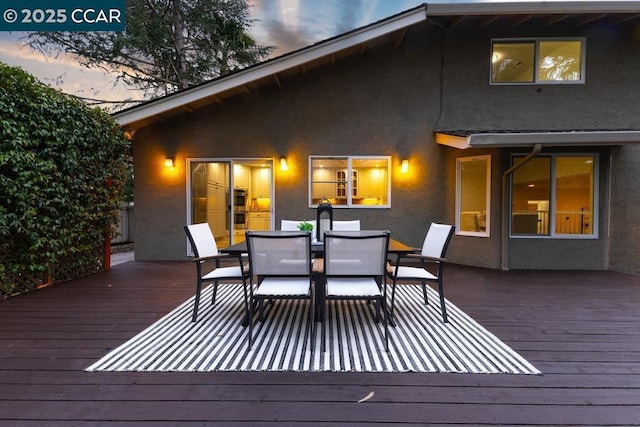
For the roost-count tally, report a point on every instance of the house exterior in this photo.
(518, 122)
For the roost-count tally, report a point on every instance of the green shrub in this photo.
(62, 170)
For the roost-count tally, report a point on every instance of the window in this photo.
(350, 181)
(555, 196)
(537, 61)
(473, 194)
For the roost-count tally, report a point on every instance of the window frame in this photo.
(552, 199)
(349, 182)
(459, 162)
(536, 60)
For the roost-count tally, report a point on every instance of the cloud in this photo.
(286, 24)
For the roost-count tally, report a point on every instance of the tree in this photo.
(168, 45)
(62, 169)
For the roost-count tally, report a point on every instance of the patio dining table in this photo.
(395, 248)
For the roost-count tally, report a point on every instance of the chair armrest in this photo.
(207, 258)
(426, 258)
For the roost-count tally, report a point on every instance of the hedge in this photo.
(62, 171)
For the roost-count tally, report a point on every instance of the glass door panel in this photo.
(232, 196)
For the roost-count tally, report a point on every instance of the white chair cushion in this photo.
(352, 286)
(223, 273)
(414, 273)
(279, 286)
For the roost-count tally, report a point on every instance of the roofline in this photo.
(531, 7)
(273, 66)
(527, 139)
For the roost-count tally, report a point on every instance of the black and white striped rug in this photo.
(420, 342)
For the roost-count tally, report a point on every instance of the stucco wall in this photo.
(381, 103)
(389, 101)
(624, 254)
(608, 100)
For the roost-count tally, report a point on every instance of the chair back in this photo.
(201, 239)
(437, 240)
(279, 253)
(352, 225)
(356, 253)
(292, 225)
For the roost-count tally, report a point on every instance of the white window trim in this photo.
(349, 191)
(536, 81)
(595, 215)
(487, 232)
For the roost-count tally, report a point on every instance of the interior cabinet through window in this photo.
(350, 181)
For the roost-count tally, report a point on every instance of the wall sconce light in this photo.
(168, 162)
(404, 168)
(283, 164)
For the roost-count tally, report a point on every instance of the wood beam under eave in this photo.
(554, 19)
(455, 21)
(438, 22)
(303, 68)
(588, 18)
(277, 80)
(187, 108)
(332, 59)
(624, 18)
(519, 20)
(363, 48)
(245, 89)
(216, 99)
(488, 21)
(397, 37)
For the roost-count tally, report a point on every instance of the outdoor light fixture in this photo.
(404, 168)
(168, 162)
(283, 164)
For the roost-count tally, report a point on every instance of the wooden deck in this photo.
(581, 329)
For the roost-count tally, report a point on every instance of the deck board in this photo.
(581, 329)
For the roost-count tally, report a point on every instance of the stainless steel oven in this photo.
(240, 208)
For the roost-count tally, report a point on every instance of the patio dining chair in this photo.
(281, 263)
(432, 254)
(206, 251)
(350, 225)
(354, 269)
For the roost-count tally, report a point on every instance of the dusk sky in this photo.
(286, 24)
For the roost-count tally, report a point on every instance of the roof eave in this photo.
(295, 59)
(548, 139)
(529, 7)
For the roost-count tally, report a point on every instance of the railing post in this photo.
(107, 250)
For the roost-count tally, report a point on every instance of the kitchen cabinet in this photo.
(216, 209)
(241, 176)
(259, 221)
(261, 182)
(341, 178)
(216, 174)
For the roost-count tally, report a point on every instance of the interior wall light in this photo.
(168, 162)
(404, 168)
(283, 164)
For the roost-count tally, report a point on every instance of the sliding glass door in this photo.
(232, 195)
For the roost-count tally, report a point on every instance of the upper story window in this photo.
(538, 61)
(350, 181)
(555, 196)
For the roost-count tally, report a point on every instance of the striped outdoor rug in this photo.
(217, 342)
